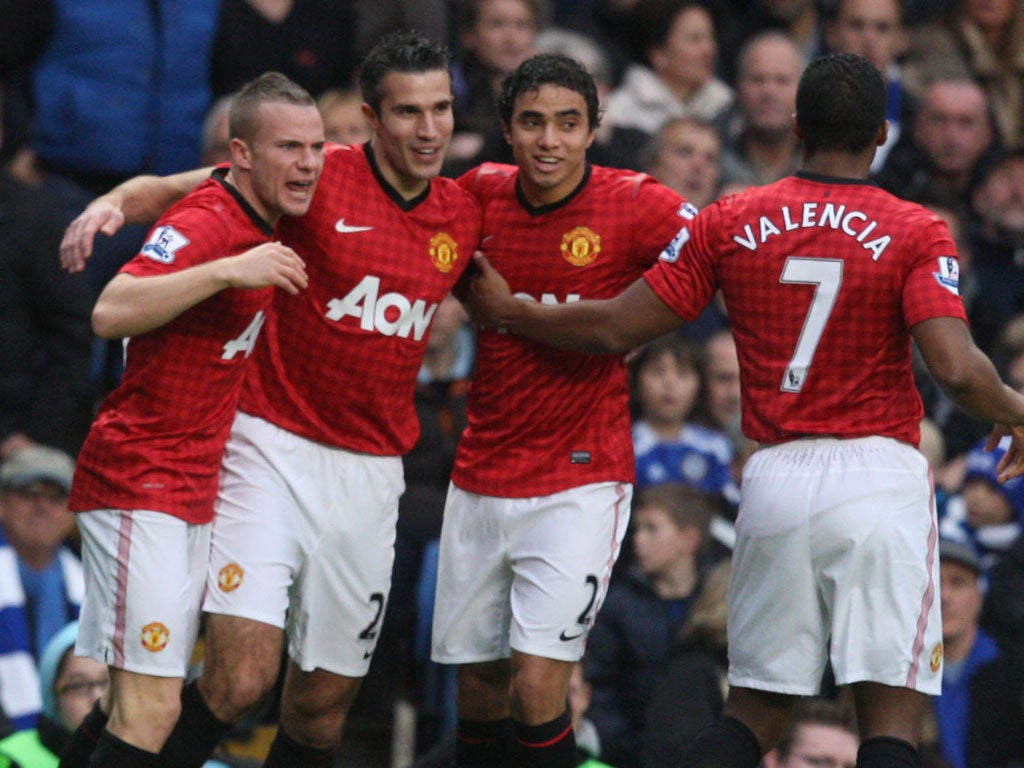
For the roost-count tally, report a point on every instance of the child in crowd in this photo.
(666, 385)
(987, 514)
(667, 388)
(628, 649)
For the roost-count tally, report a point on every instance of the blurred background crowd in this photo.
(698, 94)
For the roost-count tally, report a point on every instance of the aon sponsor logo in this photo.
(391, 314)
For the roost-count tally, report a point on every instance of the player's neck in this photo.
(839, 164)
(242, 181)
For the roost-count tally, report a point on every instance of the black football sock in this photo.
(286, 752)
(482, 743)
(83, 741)
(196, 734)
(112, 752)
(548, 745)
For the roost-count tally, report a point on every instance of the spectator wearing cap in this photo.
(41, 582)
(979, 717)
(988, 514)
(69, 686)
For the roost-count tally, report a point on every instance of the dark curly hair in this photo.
(549, 69)
(840, 104)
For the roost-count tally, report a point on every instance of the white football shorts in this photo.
(836, 557)
(526, 574)
(304, 540)
(145, 573)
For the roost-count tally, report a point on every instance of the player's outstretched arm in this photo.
(132, 305)
(632, 318)
(139, 200)
(966, 374)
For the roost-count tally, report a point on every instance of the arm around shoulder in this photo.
(139, 200)
(615, 325)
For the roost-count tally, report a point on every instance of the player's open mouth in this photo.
(546, 163)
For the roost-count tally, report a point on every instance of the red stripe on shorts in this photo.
(124, 545)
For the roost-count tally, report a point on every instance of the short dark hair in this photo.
(549, 69)
(401, 51)
(268, 87)
(840, 103)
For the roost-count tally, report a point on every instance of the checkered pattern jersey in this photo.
(158, 439)
(542, 420)
(339, 361)
(823, 278)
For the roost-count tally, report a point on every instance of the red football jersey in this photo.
(158, 439)
(823, 279)
(540, 419)
(338, 362)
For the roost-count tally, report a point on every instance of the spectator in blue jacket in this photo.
(979, 715)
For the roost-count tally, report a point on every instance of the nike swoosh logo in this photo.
(344, 228)
(566, 638)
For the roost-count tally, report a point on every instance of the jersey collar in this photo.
(219, 175)
(390, 191)
(542, 209)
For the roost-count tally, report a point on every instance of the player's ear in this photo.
(241, 153)
(883, 134)
(369, 113)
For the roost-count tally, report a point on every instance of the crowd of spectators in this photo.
(698, 93)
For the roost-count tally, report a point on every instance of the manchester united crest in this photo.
(230, 577)
(154, 637)
(580, 246)
(444, 251)
(936, 660)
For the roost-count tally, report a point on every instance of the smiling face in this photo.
(283, 160)
(549, 134)
(413, 128)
